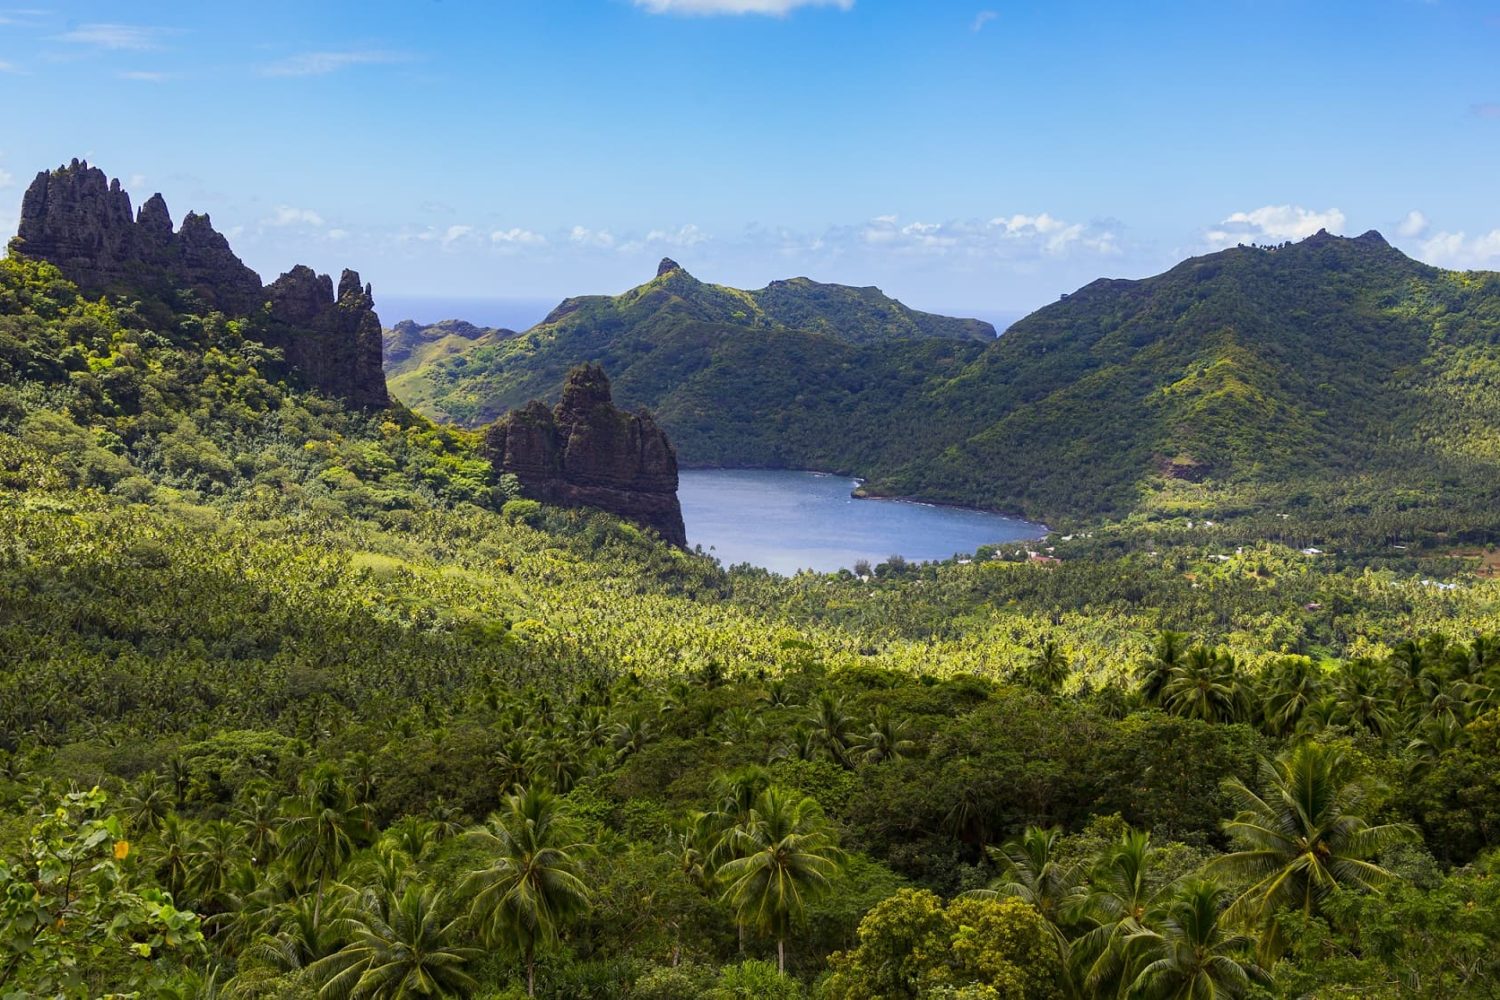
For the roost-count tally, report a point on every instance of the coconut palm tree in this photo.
(1204, 686)
(886, 739)
(1124, 886)
(400, 948)
(147, 803)
(171, 854)
(304, 931)
(259, 817)
(316, 836)
(1188, 953)
(1166, 653)
(631, 734)
(736, 793)
(1434, 737)
(213, 858)
(1293, 684)
(531, 888)
(1048, 667)
(1302, 838)
(798, 744)
(1484, 659)
(1363, 697)
(833, 727)
(1409, 665)
(415, 836)
(1031, 872)
(784, 855)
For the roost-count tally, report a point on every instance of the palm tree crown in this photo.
(401, 948)
(784, 854)
(532, 887)
(1189, 953)
(1304, 837)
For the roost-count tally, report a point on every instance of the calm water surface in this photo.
(786, 521)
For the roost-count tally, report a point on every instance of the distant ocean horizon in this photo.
(506, 313)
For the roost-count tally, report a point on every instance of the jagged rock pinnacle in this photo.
(586, 452)
(78, 219)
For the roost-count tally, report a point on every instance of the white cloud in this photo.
(145, 76)
(115, 37)
(685, 236)
(6, 178)
(984, 17)
(1009, 237)
(337, 234)
(22, 18)
(10, 67)
(1274, 224)
(776, 8)
(1458, 250)
(588, 237)
(286, 215)
(136, 182)
(1415, 224)
(454, 234)
(323, 63)
(517, 237)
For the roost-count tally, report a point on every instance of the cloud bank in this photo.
(1463, 252)
(1273, 224)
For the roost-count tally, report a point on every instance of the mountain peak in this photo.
(667, 266)
(80, 220)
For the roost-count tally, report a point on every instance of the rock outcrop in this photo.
(334, 341)
(586, 452)
(78, 219)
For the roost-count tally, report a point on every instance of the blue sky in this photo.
(984, 155)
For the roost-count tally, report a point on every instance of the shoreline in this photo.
(858, 492)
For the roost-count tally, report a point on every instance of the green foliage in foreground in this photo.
(361, 727)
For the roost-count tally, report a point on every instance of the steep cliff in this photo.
(586, 452)
(78, 219)
(333, 340)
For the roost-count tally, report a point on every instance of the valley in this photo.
(339, 665)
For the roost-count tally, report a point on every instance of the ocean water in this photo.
(786, 521)
(508, 314)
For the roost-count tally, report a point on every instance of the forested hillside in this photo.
(1334, 377)
(733, 366)
(299, 701)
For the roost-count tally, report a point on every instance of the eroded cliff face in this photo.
(333, 339)
(78, 219)
(586, 452)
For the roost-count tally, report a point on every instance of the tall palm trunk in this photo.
(781, 955)
(530, 971)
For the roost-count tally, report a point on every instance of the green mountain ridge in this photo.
(686, 327)
(1335, 372)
